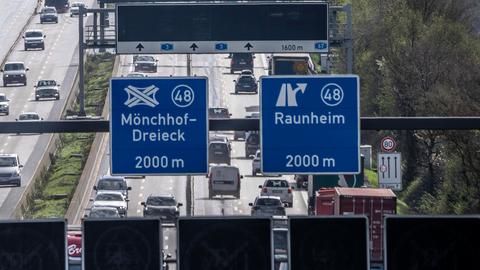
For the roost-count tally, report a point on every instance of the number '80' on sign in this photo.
(332, 94)
(183, 96)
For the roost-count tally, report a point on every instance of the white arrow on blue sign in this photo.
(159, 126)
(310, 124)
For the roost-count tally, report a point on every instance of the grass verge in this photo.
(56, 187)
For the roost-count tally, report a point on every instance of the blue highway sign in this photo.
(159, 126)
(310, 124)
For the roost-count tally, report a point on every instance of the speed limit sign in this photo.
(388, 144)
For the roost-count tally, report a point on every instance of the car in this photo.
(113, 183)
(241, 134)
(267, 206)
(218, 113)
(103, 212)
(224, 180)
(219, 152)
(75, 9)
(74, 247)
(220, 138)
(278, 187)
(301, 180)
(164, 206)
(111, 199)
(48, 14)
(10, 170)
(246, 83)
(14, 72)
(145, 63)
(136, 75)
(241, 61)
(256, 163)
(34, 38)
(252, 143)
(4, 104)
(47, 89)
(29, 116)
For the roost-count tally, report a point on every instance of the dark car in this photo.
(241, 61)
(219, 152)
(246, 83)
(218, 113)
(252, 143)
(145, 63)
(163, 206)
(301, 180)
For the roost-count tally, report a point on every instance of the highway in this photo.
(216, 68)
(59, 61)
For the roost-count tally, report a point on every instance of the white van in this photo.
(224, 180)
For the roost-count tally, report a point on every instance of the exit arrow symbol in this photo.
(194, 46)
(139, 47)
(248, 46)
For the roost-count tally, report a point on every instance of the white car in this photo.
(10, 168)
(224, 180)
(29, 116)
(278, 187)
(34, 39)
(267, 206)
(103, 212)
(111, 199)
(256, 163)
(75, 9)
(4, 104)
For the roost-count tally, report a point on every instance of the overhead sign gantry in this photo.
(199, 27)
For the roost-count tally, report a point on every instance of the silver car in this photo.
(10, 170)
(113, 183)
(111, 199)
(103, 212)
(267, 206)
(163, 206)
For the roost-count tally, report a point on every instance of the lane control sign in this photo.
(159, 126)
(310, 124)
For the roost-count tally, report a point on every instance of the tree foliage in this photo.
(422, 58)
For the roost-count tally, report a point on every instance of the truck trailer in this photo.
(375, 203)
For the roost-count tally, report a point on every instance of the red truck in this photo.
(372, 202)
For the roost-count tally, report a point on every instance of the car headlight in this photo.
(16, 174)
(6, 75)
(22, 75)
(136, 64)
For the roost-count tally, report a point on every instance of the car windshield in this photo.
(145, 58)
(78, 5)
(29, 116)
(268, 202)
(48, 10)
(101, 213)
(47, 83)
(246, 56)
(109, 197)
(8, 162)
(33, 34)
(3, 98)
(14, 66)
(111, 184)
(246, 79)
(161, 201)
(277, 183)
(218, 146)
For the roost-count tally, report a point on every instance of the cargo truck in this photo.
(60, 5)
(290, 64)
(375, 203)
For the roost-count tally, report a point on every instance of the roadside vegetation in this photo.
(56, 187)
(422, 58)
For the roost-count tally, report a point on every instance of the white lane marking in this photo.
(138, 211)
(171, 180)
(143, 181)
(5, 144)
(239, 202)
(240, 211)
(166, 238)
(142, 187)
(235, 208)
(140, 195)
(170, 188)
(166, 247)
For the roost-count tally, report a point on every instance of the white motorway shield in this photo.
(390, 170)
